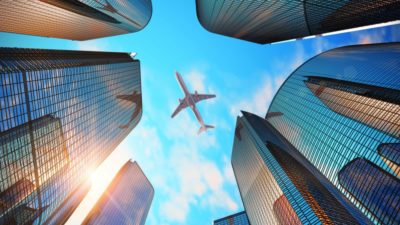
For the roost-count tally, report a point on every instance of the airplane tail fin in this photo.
(204, 128)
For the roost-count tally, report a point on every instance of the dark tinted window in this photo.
(376, 189)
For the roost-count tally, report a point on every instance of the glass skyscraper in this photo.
(74, 19)
(239, 218)
(63, 113)
(327, 151)
(279, 20)
(126, 201)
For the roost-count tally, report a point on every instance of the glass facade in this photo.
(74, 19)
(360, 177)
(294, 192)
(235, 219)
(340, 113)
(252, 177)
(279, 20)
(127, 199)
(390, 153)
(284, 212)
(60, 119)
(355, 96)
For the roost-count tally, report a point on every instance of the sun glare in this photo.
(100, 179)
(94, 178)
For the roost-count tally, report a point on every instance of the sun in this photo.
(100, 178)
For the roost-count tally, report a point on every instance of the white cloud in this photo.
(376, 35)
(212, 176)
(299, 58)
(176, 209)
(279, 81)
(195, 79)
(258, 102)
(228, 171)
(321, 44)
(185, 126)
(198, 178)
(88, 46)
(93, 45)
(223, 200)
(144, 134)
(183, 174)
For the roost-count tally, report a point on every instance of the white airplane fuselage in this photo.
(189, 99)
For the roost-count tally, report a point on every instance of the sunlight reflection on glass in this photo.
(100, 179)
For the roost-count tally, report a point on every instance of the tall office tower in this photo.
(239, 218)
(328, 149)
(278, 185)
(280, 20)
(62, 113)
(127, 199)
(74, 19)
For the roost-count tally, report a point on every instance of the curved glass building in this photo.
(329, 143)
(280, 20)
(62, 113)
(74, 19)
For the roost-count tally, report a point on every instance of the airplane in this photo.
(190, 100)
(136, 98)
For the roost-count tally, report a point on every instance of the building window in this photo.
(374, 188)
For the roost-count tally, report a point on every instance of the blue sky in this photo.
(191, 174)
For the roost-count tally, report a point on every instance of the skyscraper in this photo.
(61, 115)
(279, 20)
(239, 218)
(127, 199)
(327, 150)
(74, 19)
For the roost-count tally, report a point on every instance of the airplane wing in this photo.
(200, 97)
(181, 106)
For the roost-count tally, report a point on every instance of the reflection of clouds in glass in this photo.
(136, 13)
(75, 88)
(76, 20)
(362, 64)
(339, 122)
